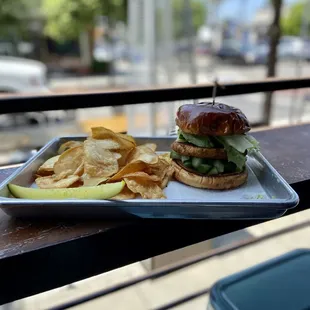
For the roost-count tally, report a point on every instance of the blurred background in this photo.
(70, 46)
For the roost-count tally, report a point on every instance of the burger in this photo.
(212, 146)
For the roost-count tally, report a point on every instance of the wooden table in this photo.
(38, 256)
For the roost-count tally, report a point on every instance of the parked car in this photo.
(20, 75)
(286, 51)
(295, 48)
(235, 52)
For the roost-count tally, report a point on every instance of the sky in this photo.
(233, 8)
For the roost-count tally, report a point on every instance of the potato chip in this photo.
(70, 162)
(52, 182)
(167, 177)
(120, 155)
(159, 169)
(146, 188)
(162, 169)
(166, 157)
(143, 153)
(108, 144)
(108, 157)
(128, 137)
(99, 162)
(80, 170)
(69, 145)
(125, 142)
(125, 194)
(137, 160)
(48, 167)
(151, 146)
(130, 168)
(92, 181)
(61, 175)
(144, 176)
(165, 181)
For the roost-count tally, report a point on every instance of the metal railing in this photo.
(27, 103)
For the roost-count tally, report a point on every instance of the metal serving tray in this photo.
(266, 194)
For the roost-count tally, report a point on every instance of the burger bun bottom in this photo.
(219, 182)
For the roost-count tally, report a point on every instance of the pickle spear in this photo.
(104, 191)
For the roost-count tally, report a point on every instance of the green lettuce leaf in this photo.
(236, 157)
(196, 140)
(233, 155)
(180, 137)
(241, 143)
(237, 146)
(254, 142)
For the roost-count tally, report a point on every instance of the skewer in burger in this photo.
(212, 145)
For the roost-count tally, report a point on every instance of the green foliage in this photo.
(116, 10)
(198, 13)
(291, 23)
(66, 19)
(15, 17)
(11, 11)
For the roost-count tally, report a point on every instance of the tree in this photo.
(198, 13)
(14, 14)
(11, 12)
(274, 35)
(67, 19)
(291, 23)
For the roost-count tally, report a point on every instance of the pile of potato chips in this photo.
(108, 157)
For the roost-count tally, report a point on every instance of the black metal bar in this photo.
(184, 299)
(20, 104)
(170, 269)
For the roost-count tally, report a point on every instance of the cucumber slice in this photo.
(188, 163)
(219, 166)
(185, 158)
(196, 162)
(213, 171)
(204, 168)
(175, 155)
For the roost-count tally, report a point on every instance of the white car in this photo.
(21, 75)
